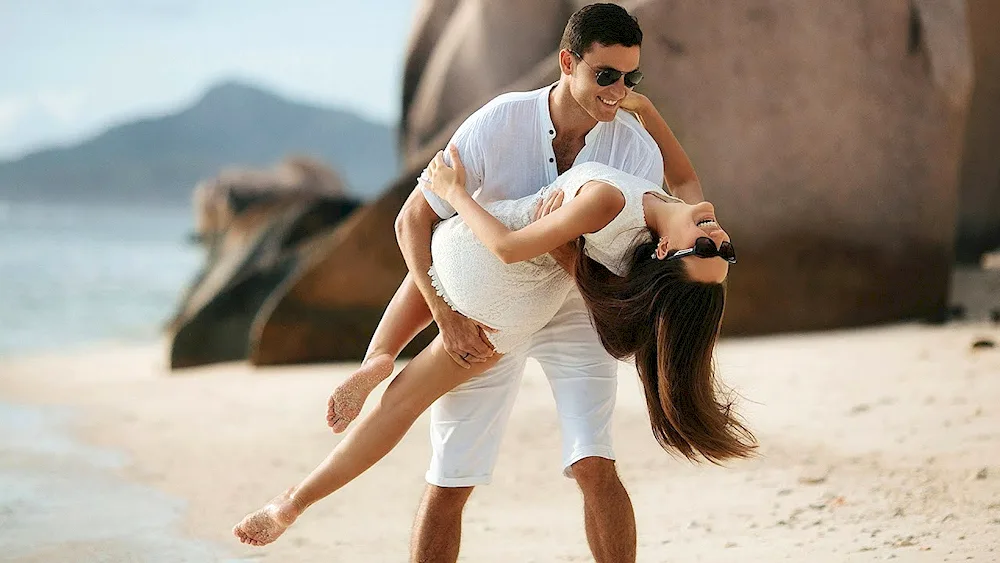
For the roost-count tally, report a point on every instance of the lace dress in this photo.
(520, 299)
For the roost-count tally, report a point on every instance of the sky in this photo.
(71, 68)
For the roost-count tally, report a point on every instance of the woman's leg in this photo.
(405, 316)
(428, 376)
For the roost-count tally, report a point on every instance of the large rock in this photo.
(830, 135)
(254, 225)
(330, 303)
(482, 47)
(238, 201)
(979, 208)
(429, 20)
(308, 284)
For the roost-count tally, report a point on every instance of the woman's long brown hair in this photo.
(670, 325)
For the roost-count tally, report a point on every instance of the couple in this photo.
(600, 264)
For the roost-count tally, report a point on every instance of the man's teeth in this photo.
(607, 103)
(707, 223)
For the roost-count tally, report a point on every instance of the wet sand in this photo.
(63, 500)
(876, 444)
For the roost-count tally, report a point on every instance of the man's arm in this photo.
(464, 339)
(678, 171)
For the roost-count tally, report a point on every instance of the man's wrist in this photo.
(440, 309)
(690, 192)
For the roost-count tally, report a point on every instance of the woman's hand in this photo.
(446, 182)
(635, 102)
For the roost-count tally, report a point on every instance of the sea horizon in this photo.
(74, 273)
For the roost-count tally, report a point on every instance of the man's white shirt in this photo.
(506, 147)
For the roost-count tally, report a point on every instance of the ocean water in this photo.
(63, 502)
(76, 274)
(71, 275)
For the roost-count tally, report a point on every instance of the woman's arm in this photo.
(566, 254)
(589, 212)
(677, 168)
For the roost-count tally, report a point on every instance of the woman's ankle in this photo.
(297, 503)
(379, 354)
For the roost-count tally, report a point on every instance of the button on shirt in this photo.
(506, 147)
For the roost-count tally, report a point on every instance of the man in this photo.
(512, 147)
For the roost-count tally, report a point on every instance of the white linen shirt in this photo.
(506, 147)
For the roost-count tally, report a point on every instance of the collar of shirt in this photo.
(549, 129)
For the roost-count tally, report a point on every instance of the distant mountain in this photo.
(161, 159)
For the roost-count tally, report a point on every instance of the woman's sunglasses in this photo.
(608, 76)
(704, 247)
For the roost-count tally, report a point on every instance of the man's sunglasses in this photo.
(608, 76)
(704, 247)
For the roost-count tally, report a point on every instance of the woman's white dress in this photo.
(520, 299)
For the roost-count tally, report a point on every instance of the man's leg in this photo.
(466, 428)
(584, 382)
(607, 510)
(437, 531)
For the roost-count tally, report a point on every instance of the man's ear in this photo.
(566, 61)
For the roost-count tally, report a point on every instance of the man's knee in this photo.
(446, 499)
(595, 474)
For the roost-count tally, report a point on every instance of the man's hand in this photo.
(464, 339)
(565, 255)
(548, 204)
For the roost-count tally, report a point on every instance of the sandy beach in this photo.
(876, 444)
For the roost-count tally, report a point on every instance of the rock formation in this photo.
(830, 135)
(255, 226)
(979, 205)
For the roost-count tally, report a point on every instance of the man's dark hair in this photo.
(607, 24)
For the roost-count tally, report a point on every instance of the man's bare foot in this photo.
(347, 399)
(265, 525)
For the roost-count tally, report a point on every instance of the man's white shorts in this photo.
(467, 424)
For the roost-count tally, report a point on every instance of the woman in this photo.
(651, 270)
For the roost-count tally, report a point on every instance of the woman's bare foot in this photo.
(347, 399)
(265, 525)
